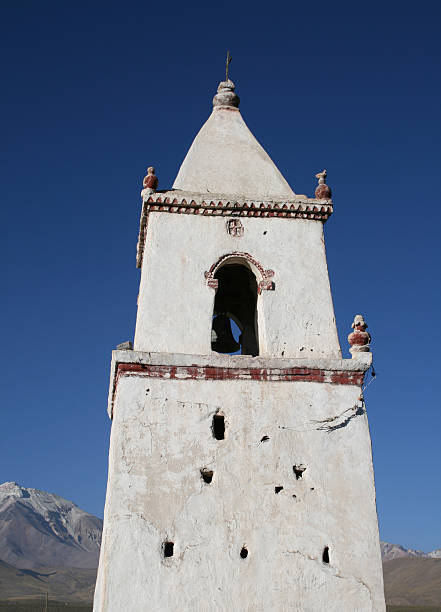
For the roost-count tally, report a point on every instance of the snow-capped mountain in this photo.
(39, 529)
(395, 551)
(435, 554)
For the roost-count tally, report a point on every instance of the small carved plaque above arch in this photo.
(265, 283)
(235, 227)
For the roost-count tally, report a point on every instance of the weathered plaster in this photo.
(233, 367)
(293, 474)
(175, 305)
(161, 439)
(225, 157)
(185, 203)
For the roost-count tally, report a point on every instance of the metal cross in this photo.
(227, 65)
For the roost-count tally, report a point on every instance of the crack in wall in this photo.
(188, 547)
(334, 572)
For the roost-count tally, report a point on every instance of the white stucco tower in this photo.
(237, 482)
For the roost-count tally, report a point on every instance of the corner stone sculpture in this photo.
(322, 191)
(150, 182)
(359, 339)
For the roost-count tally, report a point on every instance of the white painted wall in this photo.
(225, 157)
(161, 438)
(161, 433)
(176, 305)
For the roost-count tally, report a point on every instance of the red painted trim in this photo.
(158, 202)
(264, 284)
(336, 377)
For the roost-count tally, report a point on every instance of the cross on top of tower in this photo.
(227, 65)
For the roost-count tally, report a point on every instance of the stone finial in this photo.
(323, 191)
(150, 182)
(359, 339)
(125, 346)
(225, 95)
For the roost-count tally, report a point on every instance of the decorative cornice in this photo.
(171, 366)
(216, 373)
(198, 204)
(298, 374)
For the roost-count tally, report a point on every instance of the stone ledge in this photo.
(225, 205)
(227, 367)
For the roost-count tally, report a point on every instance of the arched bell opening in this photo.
(235, 301)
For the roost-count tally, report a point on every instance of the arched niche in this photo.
(264, 283)
(238, 279)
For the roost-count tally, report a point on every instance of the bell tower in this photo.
(240, 467)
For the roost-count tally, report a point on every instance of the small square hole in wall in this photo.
(325, 556)
(218, 426)
(167, 547)
(278, 489)
(298, 471)
(207, 475)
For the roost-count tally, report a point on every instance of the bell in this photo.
(222, 339)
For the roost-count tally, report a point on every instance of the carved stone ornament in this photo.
(323, 191)
(359, 339)
(235, 227)
(265, 284)
(225, 95)
(150, 182)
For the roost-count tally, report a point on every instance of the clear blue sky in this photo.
(93, 92)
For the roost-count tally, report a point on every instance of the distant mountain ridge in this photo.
(395, 551)
(39, 529)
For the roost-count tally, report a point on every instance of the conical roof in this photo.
(225, 157)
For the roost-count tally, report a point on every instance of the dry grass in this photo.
(413, 581)
(413, 608)
(38, 605)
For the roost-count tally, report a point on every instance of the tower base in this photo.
(239, 483)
